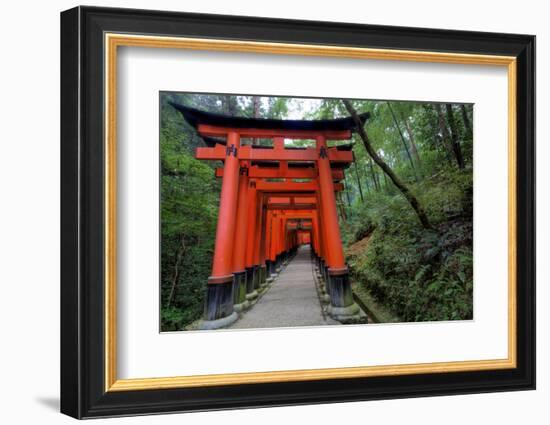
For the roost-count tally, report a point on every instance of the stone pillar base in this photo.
(252, 296)
(344, 313)
(242, 306)
(219, 323)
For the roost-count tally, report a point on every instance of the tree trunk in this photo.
(176, 274)
(466, 120)
(364, 178)
(256, 106)
(454, 136)
(231, 105)
(342, 209)
(402, 139)
(411, 139)
(347, 192)
(446, 137)
(387, 170)
(358, 179)
(373, 176)
(386, 185)
(377, 176)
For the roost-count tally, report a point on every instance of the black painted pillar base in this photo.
(271, 270)
(323, 269)
(251, 292)
(342, 306)
(258, 277)
(318, 267)
(326, 278)
(278, 263)
(263, 274)
(285, 257)
(218, 307)
(240, 302)
(323, 283)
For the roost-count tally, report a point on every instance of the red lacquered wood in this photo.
(241, 229)
(222, 265)
(328, 208)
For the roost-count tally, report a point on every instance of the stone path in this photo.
(290, 301)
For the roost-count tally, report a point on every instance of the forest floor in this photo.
(291, 300)
(376, 311)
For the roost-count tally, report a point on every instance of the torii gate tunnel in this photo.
(273, 199)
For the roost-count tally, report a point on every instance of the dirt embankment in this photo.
(358, 248)
(377, 313)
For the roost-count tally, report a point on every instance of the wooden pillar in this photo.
(284, 239)
(339, 289)
(259, 245)
(218, 310)
(240, 242)
(316, 234)
(279, 247)
(323, 229)
(252, 242)
(281, 239)
(267, 243)
(274, 241)
(330, 213)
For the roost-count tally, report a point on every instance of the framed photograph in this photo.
(261, 212)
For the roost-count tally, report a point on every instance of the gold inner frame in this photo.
(113, 41)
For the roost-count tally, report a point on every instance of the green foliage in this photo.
(419, 274)
(416, 273)
(189, 208)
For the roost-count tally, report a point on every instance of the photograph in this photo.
(291, 212)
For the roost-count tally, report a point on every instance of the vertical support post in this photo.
(259, 245)
(316, 235)
(252, 268)
(218, 309)
(267, 245)
(275, 235)
(239, 250)
(284, 240)
(326, 251)
(342, 305)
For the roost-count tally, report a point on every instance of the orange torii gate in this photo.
(254, 233)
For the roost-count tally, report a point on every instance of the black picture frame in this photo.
(82, 218)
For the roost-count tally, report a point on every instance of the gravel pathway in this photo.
(290, 301)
